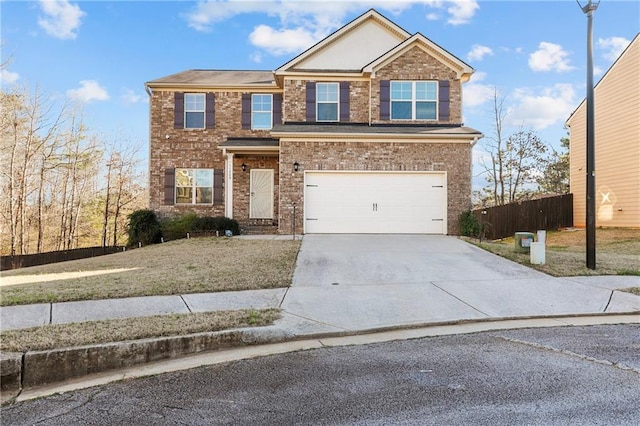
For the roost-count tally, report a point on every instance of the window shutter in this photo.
(277, 108)
(385, 99)
(344, 101)
(217, 186)
(246, 110)
(169, 185)
(443, 100)
(210, 111)
(178, 114)
(311, 101)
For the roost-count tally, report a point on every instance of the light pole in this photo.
(588, 9)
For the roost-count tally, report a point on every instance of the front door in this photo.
(261, 194)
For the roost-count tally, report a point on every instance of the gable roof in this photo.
(627, 51)
(463, 70)
(350, 47)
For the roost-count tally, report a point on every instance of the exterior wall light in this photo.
(296, 166)
(244, 167)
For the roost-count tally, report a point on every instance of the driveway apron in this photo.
(358, 282)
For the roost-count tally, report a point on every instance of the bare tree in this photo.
(512, 163)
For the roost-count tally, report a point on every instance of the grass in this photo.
(196, 265)
(95, 332)
(617, 252)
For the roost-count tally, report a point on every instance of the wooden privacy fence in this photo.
(526, 216)
(25, 260)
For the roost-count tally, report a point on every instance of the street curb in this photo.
(33, 369)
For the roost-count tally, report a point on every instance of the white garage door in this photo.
(375, 203)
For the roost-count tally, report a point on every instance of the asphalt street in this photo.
(571, 375)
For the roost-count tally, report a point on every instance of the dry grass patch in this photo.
(96, 332)
(197, 265)
(617, 252)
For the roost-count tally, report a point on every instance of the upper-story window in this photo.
(414, 100)
(327, 101)
(261, 111)
(194, 110)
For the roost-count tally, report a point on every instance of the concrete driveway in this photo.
(359, 282)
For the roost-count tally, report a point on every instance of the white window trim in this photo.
(270, 112)
(203, 111)
(413, 100)
(193, 188)
(337, 102)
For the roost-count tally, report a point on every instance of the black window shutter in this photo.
(217, 186)
(344, 101)
(311, 101)
(443, 100)
(169, 185)
(210, 111)
(246, 110)
(178, 115)
(277, 108)
(385, 99)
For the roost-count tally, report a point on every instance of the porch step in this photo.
(259, 230)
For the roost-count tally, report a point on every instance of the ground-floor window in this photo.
(194, 186)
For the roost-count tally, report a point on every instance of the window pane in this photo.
(194, 120)
(425, 110)
(401, 110)
(261, 103)
(401, 90)
(426, 90)
(327, 92)
(204, 195)
(204, 177)
(327, 112)
(184, 177)
(194, 101)
(184, 195)
(261, 120)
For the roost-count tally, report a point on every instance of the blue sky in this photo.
(99, 54)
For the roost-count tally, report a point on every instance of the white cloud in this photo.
(311, 20)
(462, 11)
(550, 57)
(613, 46)
(542, 109)
(8, 77)
(478, 52)
(280, 42)
(476, 94)
(130, 97)
(88, 91)
(62, 19)
(256, 57)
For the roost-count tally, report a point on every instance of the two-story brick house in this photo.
(361, 133)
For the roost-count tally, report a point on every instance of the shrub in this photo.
(174, 228)
(469, 224)
(143, 228)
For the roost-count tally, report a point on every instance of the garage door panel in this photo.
(375, 202)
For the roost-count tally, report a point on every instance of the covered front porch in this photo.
(251, 183)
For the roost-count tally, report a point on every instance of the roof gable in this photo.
(351, 47)
(462, 69)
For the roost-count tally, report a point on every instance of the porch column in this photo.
(228, 187)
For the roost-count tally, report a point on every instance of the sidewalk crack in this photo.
(186, 304)
(608, 302)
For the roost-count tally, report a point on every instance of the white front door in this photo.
(375, 202)
(261, 194)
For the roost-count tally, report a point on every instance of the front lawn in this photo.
(196, 265)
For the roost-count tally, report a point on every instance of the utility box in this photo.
(523, 241)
